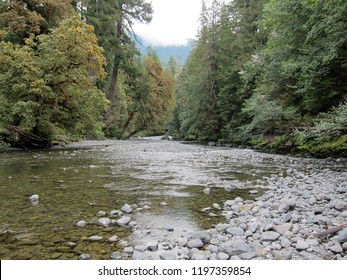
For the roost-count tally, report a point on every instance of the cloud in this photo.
(174, 23)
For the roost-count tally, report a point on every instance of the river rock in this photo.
(128, 250)
(281, 229)
(285, 242)
(123, 221)
(287, 218)
(302, 245)
(85, 257)
(235, 231)
(337, 249)
(81, 223)
(223, 256)
(342, 236)
(207, 191)
(127, 209)
(116, 256)
(195, 243)
(235, 247)
(216, 206)
(168, 256)
(101, 213)
(34, 199)
(163, 203)
(344, 214)
(248, 256)
(344, 246)
(181, 242)
(339, 204)
(94, 238)
(105, 222)
(113, 238)
(152, 246)
(140, 248)
(270, 236)
(204, 236)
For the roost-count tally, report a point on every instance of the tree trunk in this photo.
(114, 77)
(18, 138)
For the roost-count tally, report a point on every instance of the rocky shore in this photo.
(301, 216)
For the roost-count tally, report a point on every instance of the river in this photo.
(173, 188)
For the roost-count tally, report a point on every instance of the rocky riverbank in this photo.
(302, 215)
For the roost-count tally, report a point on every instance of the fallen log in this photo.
(18, 138)
(328, 232)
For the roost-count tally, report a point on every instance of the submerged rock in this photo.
(105, 222)
(123, 221)
(81, 223)
(94, 238)
(34, 199)
(85, 257)
(127, 209)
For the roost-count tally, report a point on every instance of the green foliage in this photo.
(48, 85)
(275, 66)
(268, 116)
(20, 19)
(327, 126)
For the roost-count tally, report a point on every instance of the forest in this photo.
(269, 74)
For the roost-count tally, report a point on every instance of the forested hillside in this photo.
(70, 70)
(268, 73)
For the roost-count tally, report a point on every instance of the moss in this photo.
(336, 147)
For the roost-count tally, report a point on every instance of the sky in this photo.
(174, 22)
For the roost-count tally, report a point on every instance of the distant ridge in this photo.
(180, 53)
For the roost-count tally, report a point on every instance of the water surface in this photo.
(76, 183)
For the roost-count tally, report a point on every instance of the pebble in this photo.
(281, 229)
(34, 199)
(195, 243)
(336, 249)
(223, 256)
(235, 231)
(270, 236)
(152, 246)
(342, 236)
(94, 238)
(105, 222)
(123, 221)
(81, 223)
(113, 238)
(302, 245)
(85, 257)
(101, 213)
(127, 209)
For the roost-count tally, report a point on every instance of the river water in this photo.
(165, 182)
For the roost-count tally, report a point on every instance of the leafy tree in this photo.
(48, 85)
(19, 19)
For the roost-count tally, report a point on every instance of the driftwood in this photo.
(18, 138)
(328, 232)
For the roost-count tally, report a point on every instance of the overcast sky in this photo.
(173, 23)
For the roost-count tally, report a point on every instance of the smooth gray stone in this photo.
(195, 243)
(270, 236)
(124, 221)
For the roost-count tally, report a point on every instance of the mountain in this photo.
(180, 53)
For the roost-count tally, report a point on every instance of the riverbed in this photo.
(174, 193)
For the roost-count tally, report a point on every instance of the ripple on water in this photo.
(76, 184)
